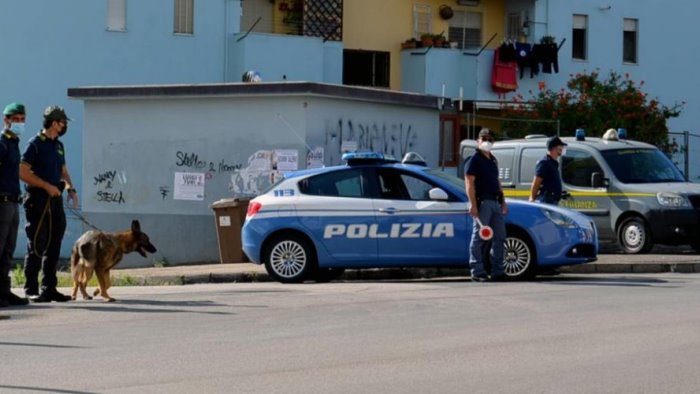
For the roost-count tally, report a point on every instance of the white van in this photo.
(635, 194)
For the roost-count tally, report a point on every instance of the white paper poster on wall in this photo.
(189, 186)
(348, 146)
(287, 159)
(314, 159)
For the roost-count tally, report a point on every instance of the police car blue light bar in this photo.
(347, 156)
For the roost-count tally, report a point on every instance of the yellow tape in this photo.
(526, 193)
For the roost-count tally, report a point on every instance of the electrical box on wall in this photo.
(468, 2)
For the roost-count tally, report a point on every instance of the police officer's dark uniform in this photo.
(46, 220)
(9, 199)
(486, 200)
(547, 184)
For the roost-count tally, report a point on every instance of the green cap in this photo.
(55, 112)
(14, 109)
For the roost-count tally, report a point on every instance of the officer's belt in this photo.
(10, 197)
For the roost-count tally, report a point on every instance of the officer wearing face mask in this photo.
(43, 169)
(486, 202)
(13, 120)
(546, 185)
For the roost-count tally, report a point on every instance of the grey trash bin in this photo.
(229, 215)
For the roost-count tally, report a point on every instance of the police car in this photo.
(379, 212)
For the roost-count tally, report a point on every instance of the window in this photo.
(528, 162)
(366, 68)
(642, 166)
(347, 183)
(514, 25)
(395, 185)
(422, 20)
(629, 41)
(578, 48)
(116, 15)
(184, 17)
(577, 168)
(465, 29)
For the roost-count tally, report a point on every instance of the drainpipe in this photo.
(226, 27)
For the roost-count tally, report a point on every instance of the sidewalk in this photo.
(248, 272)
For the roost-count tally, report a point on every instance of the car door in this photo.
(412, 229)
(577, 168)
(337, 212)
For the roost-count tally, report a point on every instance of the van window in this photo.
(505, 164)
(642, 166)
(528, 161)
(577, 168)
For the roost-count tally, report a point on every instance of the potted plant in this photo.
(409, 44)
(426, 39)
(439, 40)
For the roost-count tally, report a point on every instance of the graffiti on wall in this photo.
(395, 139)
(192, 160)
(256, 177)
(109, 186)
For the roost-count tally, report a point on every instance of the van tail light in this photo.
(253, 208)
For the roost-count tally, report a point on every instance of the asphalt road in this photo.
(571, 333)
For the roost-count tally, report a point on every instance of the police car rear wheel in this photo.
(289, 259)
(633, 236)
(517, 257)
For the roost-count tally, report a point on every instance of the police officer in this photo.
(13, 120)
(546, 185)
(486, 202)
(43, 169)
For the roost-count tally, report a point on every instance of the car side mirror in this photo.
(597, 180)
(438, 194)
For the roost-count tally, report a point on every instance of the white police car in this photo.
(378, 212)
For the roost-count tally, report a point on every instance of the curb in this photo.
(409, 273)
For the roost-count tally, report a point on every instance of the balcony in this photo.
(284, 57)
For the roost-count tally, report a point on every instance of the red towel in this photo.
(504, 78)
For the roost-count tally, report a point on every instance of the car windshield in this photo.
(642, 166)
(455, 181)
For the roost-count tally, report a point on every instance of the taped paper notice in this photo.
(189, 186)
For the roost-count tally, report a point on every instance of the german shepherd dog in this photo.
(99, 252)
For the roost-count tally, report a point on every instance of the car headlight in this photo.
(668, 199)
(559, 219)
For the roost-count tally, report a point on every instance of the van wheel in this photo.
(633, 236)
(289, 258)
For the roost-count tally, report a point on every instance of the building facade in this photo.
(352, 42)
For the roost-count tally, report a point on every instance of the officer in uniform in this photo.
(546, 185)
(487, 203)
(13, 119)
(43, 169)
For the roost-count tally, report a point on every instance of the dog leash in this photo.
(47, 207)
(81, 217)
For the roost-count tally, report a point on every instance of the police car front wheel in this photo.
(289, 258)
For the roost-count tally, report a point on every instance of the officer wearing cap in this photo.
(43, 169)
(13, 121)
(546, 185)
(486, 202)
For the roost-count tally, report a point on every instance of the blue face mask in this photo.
(17, 128)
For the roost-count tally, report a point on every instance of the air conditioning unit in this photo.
(468, 2)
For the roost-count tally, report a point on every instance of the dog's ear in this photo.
(135, 226)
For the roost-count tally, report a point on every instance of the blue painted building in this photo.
(53, 45)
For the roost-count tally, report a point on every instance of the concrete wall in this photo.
(52, 45)
(279, 58)
(130, 161)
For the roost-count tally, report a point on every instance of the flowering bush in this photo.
(595, 105)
